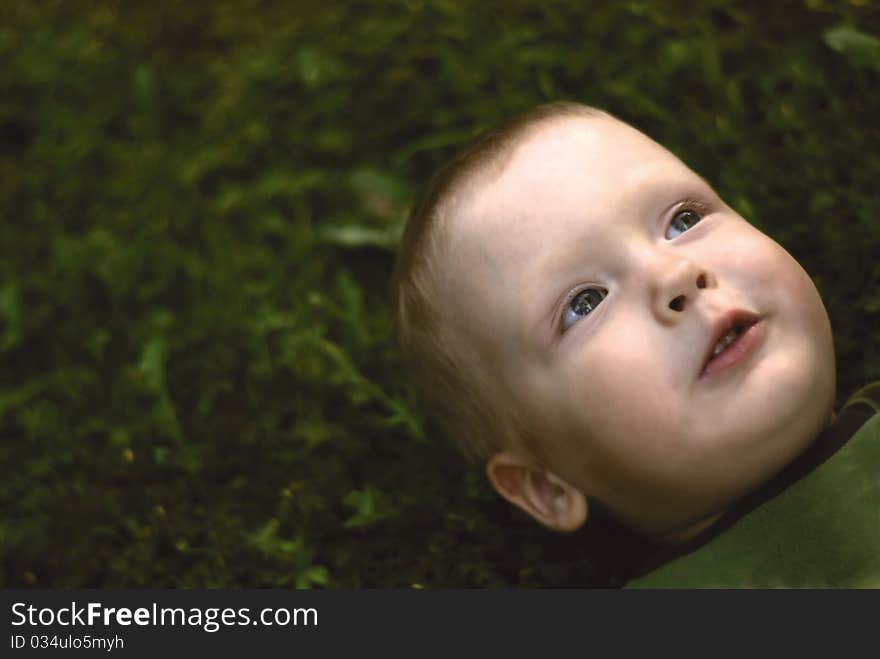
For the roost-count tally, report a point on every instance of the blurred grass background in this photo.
(199, 203)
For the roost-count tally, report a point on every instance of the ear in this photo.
(543, 495)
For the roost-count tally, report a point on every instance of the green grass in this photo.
(200, 200)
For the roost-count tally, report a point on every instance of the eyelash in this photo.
(566, 305)
(691, 205)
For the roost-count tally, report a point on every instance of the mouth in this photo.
(735, 335)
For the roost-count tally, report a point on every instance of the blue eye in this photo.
(682, 221)
(581, 305)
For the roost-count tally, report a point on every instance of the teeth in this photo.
(725, 341)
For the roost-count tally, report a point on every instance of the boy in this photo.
(587, 317)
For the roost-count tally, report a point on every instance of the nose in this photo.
(675, 286)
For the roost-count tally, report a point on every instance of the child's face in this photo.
(597, 273)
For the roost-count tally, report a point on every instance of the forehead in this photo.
(570, 170)
(572, 159)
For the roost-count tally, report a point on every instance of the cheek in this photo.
(798, 374)
(769, 278)
(621, 395)
(760, 266)
(790, 293)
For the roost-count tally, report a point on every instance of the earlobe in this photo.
(549, 499)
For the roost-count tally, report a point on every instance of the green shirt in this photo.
(820, 531)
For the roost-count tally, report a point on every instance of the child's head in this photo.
(563, 288)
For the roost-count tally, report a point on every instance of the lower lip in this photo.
(737, 351)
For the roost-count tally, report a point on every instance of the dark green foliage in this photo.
(199, 202)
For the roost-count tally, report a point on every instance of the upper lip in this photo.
(723, 324)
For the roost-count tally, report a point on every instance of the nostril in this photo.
(677, 304)
(701, 281)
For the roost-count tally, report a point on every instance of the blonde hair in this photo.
(447, 370)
